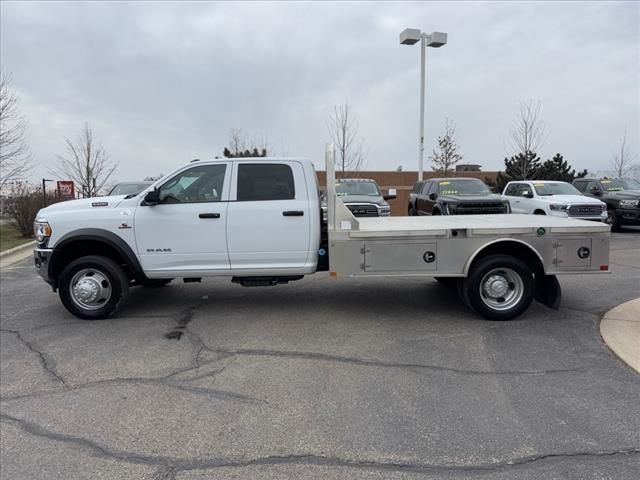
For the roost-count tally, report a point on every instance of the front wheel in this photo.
(93, 287)
(499, 287)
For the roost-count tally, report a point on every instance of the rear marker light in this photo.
(333, 274)
(604, 267)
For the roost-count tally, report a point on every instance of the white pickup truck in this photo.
(259, 222)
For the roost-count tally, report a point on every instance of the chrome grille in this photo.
(584, 210)
(363, 210)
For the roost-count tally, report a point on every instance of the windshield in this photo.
(357, 188)
(544, 189)
(619, 184)
(463, 187)
(128, 188)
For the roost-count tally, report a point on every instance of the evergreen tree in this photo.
(558, 169)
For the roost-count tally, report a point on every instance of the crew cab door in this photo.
(185, 232)
(422, 200)
(516, 194)
(268, 224)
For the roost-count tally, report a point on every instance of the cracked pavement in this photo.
(322, 378)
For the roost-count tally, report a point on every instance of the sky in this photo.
(161, 83)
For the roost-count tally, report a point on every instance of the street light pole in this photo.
(423, 48)
(44, 191)
(411, 36)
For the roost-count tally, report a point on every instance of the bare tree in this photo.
(447, 154)
(622, 159)
(529, 132)
(15, 159)
(241, 146)
(86, 164)
(343, 130)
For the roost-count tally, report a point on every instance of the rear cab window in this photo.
(265, 181)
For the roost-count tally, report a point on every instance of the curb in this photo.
(13, 255)
(18, 249)
(620, 329)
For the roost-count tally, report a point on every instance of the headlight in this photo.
(558, 207)
(628, 203)
(41, 230)
(603, 207)
(385, 211)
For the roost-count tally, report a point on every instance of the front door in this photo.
(185, 233)
(268, 224)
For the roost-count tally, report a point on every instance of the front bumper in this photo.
(42, 259)
(628, 216)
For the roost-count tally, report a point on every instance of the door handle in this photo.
(293, 213)
(209, 215)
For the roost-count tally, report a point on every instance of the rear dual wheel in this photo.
(499, 287)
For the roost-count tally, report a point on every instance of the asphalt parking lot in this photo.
(322, 378)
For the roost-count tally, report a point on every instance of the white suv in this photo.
(546, 197)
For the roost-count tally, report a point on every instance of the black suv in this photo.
(454, 196)
(622, 196)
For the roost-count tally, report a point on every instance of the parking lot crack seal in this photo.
(171, 466)
(48, 364)
(382, 364)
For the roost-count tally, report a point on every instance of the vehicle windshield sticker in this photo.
(445, 183)
(606, 181)
(538, 185)
(448, 192)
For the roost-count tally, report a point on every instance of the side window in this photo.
(425, 188)
(265, 181)
(511, 190)
(198, 184)
(593, 186)
(433, 188)
(580, 186)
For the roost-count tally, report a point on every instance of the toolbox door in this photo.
(393, 257)
(573, 252)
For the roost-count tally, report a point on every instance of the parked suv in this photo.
(546, 197)
(621, 195)
(454, 196)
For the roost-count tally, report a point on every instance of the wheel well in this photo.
(515, 249)
(539, 212)
(81, 248)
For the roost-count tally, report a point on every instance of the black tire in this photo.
(449, 282)
(435, 212)
(412, 212)
(89, 269)
(513, 280)
(156, 282)
(613, 220)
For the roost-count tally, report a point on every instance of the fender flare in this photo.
(98, 235)
(479, 250)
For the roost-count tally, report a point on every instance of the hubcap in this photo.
(90, 289)
(501, 289)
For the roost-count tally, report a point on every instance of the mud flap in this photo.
(548, 291)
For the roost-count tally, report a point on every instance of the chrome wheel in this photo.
(90, 289)
(501, 289)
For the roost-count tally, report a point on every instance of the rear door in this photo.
(268, 224)
(514, 193)
(422, 200)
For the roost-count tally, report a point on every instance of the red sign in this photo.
(66, 189)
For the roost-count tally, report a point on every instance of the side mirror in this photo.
(596, 191)
(392, 195)
(528, 194)
(432, 196)
(152, 197)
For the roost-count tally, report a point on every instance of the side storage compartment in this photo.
(572, 253)
(405, 257)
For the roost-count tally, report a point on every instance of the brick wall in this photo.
(403, 183)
